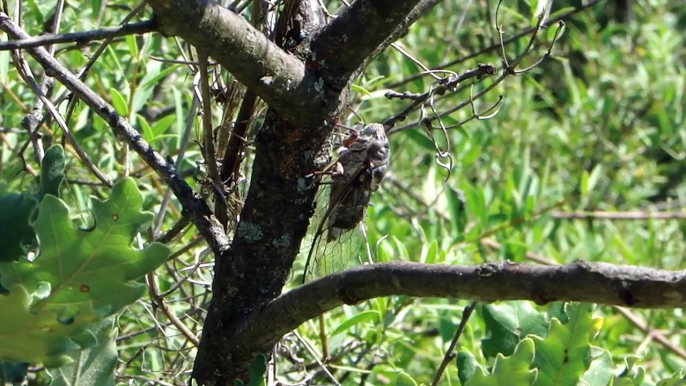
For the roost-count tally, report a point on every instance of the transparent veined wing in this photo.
(336, 233)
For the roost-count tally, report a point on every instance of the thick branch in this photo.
(277, 77)
(356, 36)
(194, 208)
(580, 281)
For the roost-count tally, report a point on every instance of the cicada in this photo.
(361, 163)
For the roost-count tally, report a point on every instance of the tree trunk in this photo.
(305, 92)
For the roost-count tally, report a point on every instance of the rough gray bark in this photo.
(579, 281)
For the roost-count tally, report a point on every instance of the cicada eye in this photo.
(378, 151)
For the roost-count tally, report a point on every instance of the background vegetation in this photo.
(582, 149)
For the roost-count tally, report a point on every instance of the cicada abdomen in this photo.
(357, 173)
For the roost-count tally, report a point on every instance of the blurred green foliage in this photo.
(597, 126)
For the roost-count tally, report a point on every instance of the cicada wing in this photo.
(341, 207)
(326, 257)
(332, 246)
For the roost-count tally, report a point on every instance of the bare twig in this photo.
(82, 37)
(91, 61)
(509, 69)
(175, 230)
(183, 146)
(231, 159)
(38, 90)
(497, 45)
(450, 353)
(445, 84)
(33, 120)
(277, 77)
(207, 134)
(630, 215)
(159, 300)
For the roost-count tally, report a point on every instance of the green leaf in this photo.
(430, 252)
(180, 116)
(362, 317)
(16, 233)
(94, 365)
(458, 214)
(119, 102)
(4, 64)
(162, 125)
(35, 12)
(466, 366)
(133, 46)
(678, 379)
(631, 375)
(258, 371)
(553, 30)
(565, 354)
(447, 328)
(51, 172)
(512, 370)
(404, 379)
(41, 335)
(152, 78)
(421, 139)
(361, 90)
(507, 324)
(589, 181)
(94, 265)
(601, 369)
(146, 130)
(559, 12)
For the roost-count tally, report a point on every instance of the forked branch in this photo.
(274, 75)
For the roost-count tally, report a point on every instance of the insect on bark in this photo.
(357, 172)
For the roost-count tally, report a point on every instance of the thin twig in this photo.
(178, 227)
(159, 300)
(183, 146)
(208, 137)
(445, 84)
(629, 215)
(496, 45)
(94, 57)
(450, 353)
(509, 69)
(81, 37)
(26, 72)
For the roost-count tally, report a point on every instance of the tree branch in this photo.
(277, 77)
(580, 281)
(194, 208)
(360, 33)
(82, 37)
(628, 215)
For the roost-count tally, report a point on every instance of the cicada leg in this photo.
(352, 138)
(335, 170)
